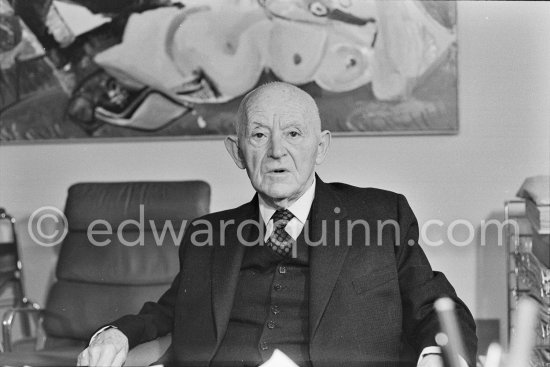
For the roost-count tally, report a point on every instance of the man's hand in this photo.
(108, 348)
(431, 360)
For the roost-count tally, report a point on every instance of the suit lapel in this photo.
(226, 264)
(326, 258)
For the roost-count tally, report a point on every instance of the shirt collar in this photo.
(300, 209)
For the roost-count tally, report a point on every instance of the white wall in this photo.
(504, 82)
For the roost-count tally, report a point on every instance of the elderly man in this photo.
(330, 274)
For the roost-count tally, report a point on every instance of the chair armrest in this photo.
(147, 353)
(9, 316)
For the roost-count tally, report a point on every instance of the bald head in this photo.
(277, 94)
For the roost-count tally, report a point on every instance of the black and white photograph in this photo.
(274, 183)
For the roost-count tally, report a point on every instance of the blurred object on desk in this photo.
(524, 339)
(536, 188)
(536, 192)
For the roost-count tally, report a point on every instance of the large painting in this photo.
(84, 70)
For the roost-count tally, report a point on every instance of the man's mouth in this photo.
(277, 171)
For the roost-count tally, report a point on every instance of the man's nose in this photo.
(276, 149)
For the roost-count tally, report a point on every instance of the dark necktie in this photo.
(280, 241)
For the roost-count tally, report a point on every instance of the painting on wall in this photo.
(89, 70)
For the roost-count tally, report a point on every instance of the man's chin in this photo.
(278, 193)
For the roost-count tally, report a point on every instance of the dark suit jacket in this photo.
(368, 296)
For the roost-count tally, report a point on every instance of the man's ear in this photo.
(232, 146)
(322, 148)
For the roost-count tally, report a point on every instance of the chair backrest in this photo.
(121, 250)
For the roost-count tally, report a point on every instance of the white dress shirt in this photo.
(300, 209)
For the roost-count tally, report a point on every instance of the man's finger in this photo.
(83, 358)
(107, 354)
(120, 358)
(93, 355)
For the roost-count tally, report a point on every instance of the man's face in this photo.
(280, 144)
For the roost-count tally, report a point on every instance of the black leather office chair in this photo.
(109, 272)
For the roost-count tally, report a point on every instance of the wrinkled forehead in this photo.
(282, 100)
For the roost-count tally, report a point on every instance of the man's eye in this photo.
(294, 134)
(258, 135)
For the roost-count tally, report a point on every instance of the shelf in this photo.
(527, 276)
